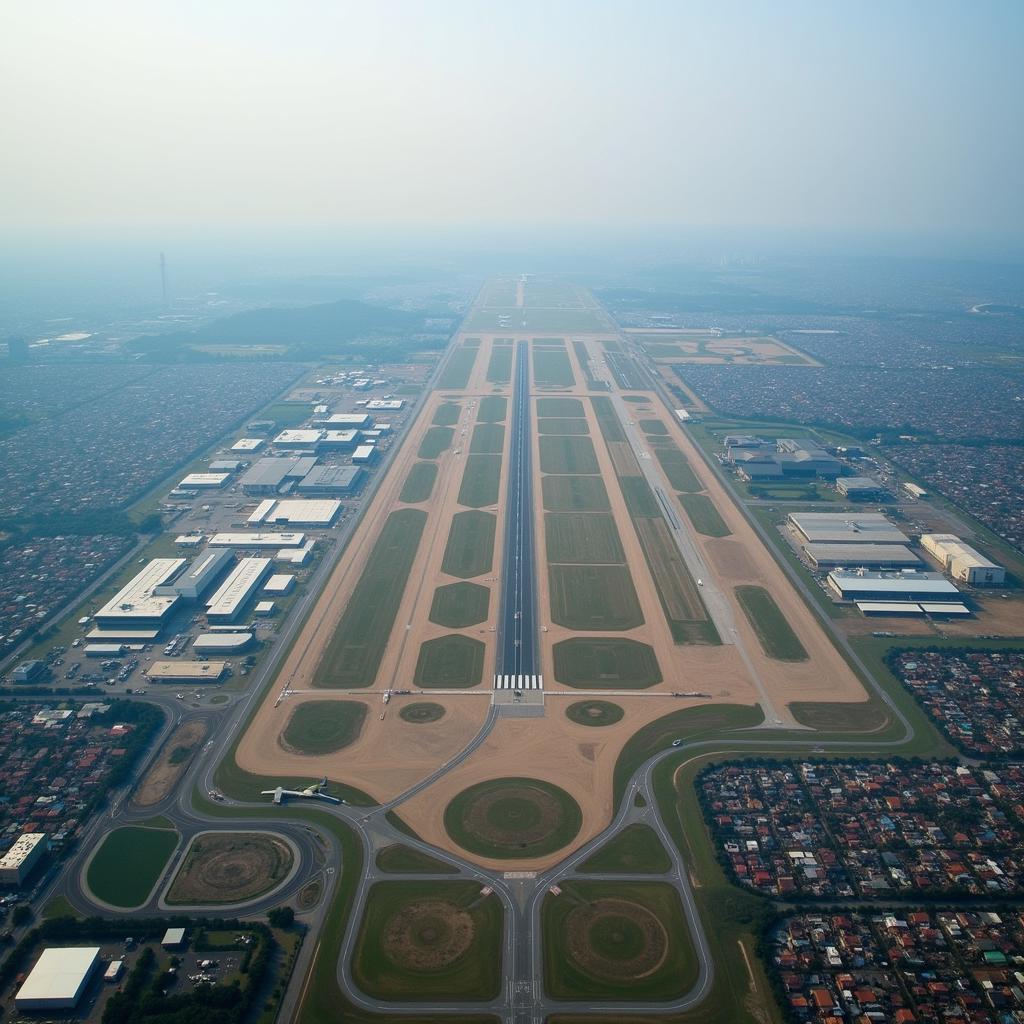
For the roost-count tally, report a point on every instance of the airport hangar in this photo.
(845, 528)
(961, 561)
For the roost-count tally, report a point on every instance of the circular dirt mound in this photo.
(615, 939)
(427, 935)
(421, 712)
(513, 818)
(230, 867)
(594, 712)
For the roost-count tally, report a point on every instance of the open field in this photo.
(492, 409)
(640, 499)
(230, 867)
(616, 940)
(488, 439)
(594, 597)
(419, 483)
(435, 441)
(513, 818)
(422, 712)
(562, 425)
(319, 727)
(499, 368)
(568, 455)
(705, 517)
(175, 756)
(773, 631)
(470, 548)
(653, 428)
(551, 368)
(458, 605)
(429, 940)
(481, 480)
(403, 860)
(447, 414)
(129, 863)
(594, 713)
(574, 494)
(678, 470)
(353, 653)
(635, 850)
(559, 408)
(450, 661)
(582, 537)
(455, 374)
(606, 663)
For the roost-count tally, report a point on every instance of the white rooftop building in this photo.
(58, 979)
(298, 438)
(255, 539)
(136, 602)
(908, 585)
(19, 860)
(208, 480)
(243, 581)
(247, 444)
(305, 512)
(846, 528)
(961, 561)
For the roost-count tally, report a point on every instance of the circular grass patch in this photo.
(421, 712)
(323, 726)
(616, 938)
(594, 712)
(513, 818)
(428, 935)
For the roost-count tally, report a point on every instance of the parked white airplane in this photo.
(315, 790)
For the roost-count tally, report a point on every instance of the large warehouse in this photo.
(137, 603)
(256, 539)
(348, 421)
(298, 438)
(235, 591)
(207, 480)
(961, 561)
(845, 528)
(867, 556)
(332, 480)
(58, 979)
(187, 671)
(855, 585)
(199, 576)
(266, 476)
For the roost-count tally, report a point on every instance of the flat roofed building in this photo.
(126, 635)
(58, 979)
(173, 938)
(868, 556)
(187, 671)
(341, 439)
(222, 643)
(248, 444)
(295, 556)
(846, 528)
(279, 584)
(386, 404)
(104, 650)
(267, 475)
(332, 480)
(189, 540)
(136, 602)
(204, 571)
(264, 608)
(261, 512)
(242, 582)
(298, 438)
(962, 561)
(859, 487)
(908, 585)
(226, 466)
(364, 453)
(348, 420)
(207, 480)
(22, 857)
(29, 671)
(305, 512)
(256, 539)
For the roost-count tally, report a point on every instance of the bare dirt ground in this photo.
(163, 776)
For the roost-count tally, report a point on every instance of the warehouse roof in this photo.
(239, 586)
(273, 471)
(341, 477)
(953, 546)
(850, 527)
(348, 419)
(862, 554)
(256, 539)
(204, 480)
(298, 437)
(247, 444)
(136, 600)
(905, 582)
(306, 511)
(196, 671)
(59, 974)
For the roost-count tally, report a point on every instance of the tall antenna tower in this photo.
(163, 278)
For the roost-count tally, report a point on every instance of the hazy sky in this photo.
(235, 112)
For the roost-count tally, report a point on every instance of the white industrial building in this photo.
(341, 439)
(279, 584)
(908, 585)
(256, 539)
(248, 445)
(936, 609)
(296, 512)
(348, 421)
(187, 671)
(298, 438)
(136, 602)
(862, 487)
(221, 643)
(914, 491)
(332, 480)
(268, 475)
(243, 581)
(961, 561)
(104, 650)
(22, 857)
(125, 635)
(867, 556)
(386, 404)
(58, 979)
(845, 528)
(261, 512)
(199, 576)
(364, 453)
(296, 555)
(205, 480)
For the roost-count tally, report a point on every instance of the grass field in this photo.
(594, 713)
(562, 425)
(594, 597)
(481, 481)
(635, 850)
(453, 661)
(583, 537)
(775, 634)
(617, 941)
(419, 483)
(322, 726)
(458, 368)
(560, 407)
(866, 716)
(653, 427)
(353, 654)
(705, 517)
(422, 712)
(487, 439)
(551, 368)
(427, 941)
(608, 419)
(513, 818)
(499, 367)
(493, 409)
(678, 470)
(574, 494)
(435, 441)
(605, 663)
(640, 499)
(470, 548)
(458, 605)
(129, 863)
(404, 860)
(447, 414)
(230, 867)
(570, 455)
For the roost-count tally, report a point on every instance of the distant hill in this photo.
(304, 331)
